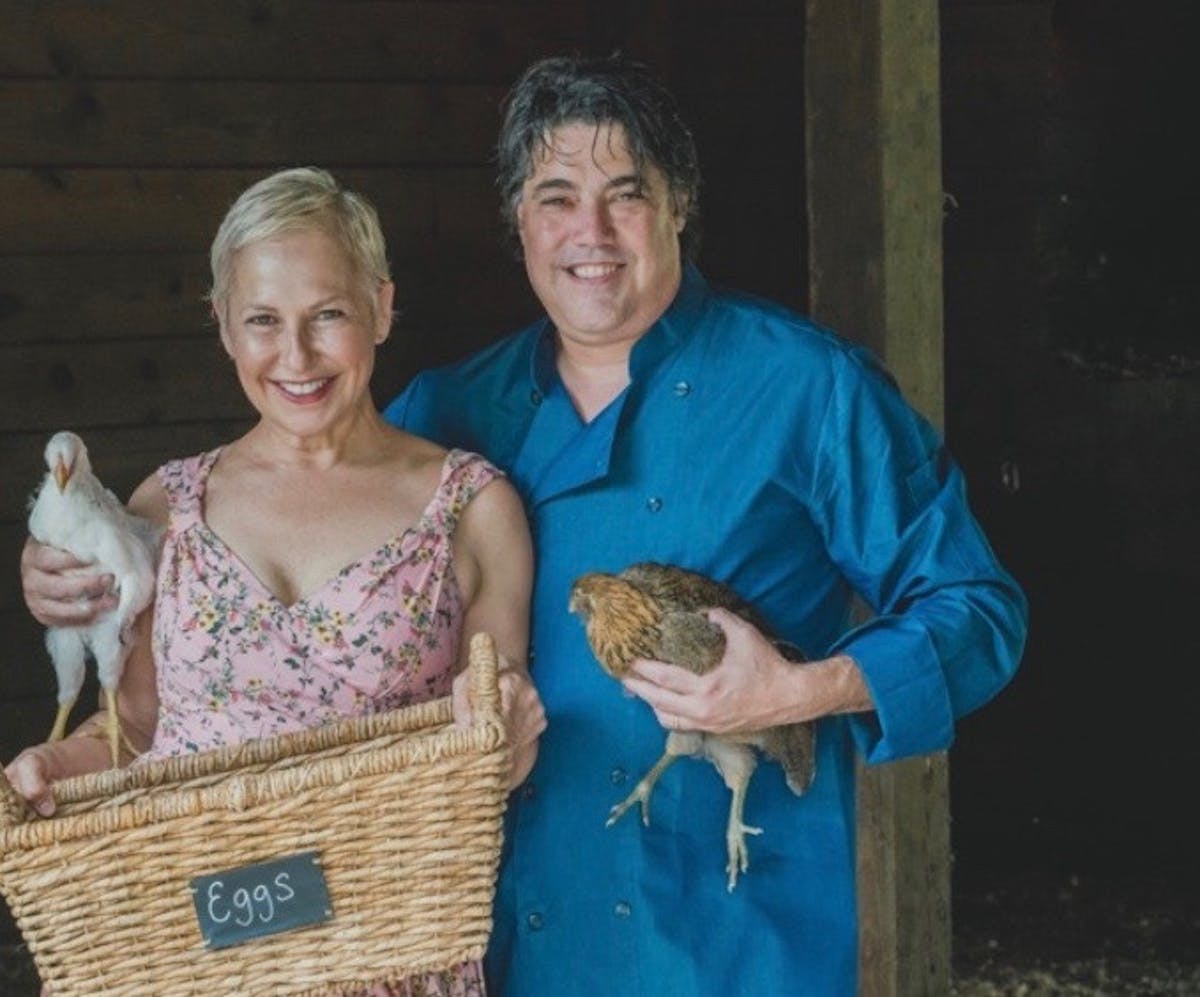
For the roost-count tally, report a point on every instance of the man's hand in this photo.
(753, 686)
(522, 709)
(61, 591)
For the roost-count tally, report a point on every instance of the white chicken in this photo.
(73, 511)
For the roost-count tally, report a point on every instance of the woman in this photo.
(321, 531)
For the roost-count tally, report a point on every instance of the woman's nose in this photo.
(297, 345)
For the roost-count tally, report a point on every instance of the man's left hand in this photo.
(752, 687)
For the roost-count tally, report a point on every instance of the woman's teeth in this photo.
(303, 387)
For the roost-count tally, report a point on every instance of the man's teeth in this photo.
(303, 387)
(590, 270)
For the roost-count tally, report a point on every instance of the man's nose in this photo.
(594, 221)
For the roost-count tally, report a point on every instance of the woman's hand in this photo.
(32, 772)
(523, 715)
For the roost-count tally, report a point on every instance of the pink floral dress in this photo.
(234, 662)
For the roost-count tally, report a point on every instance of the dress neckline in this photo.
(394, 542)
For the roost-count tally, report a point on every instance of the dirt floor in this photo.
(1068, 936)
(1077, 936)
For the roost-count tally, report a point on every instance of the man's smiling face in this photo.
(600, 237)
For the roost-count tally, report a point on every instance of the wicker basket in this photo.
(403, 809)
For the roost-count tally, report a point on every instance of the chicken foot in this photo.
(679, 744)
(112, 725)
(59, 730)
(735, 836)
(736, 763)
(641, 792)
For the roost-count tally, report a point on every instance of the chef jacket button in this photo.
(527, 791)
(616, 776)
(654, 503)
(622, 909)
(682, 388)
(535, 921)
(535, 397)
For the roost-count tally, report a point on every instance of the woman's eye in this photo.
(330, 314)
(261, 321)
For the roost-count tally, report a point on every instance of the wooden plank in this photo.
(234, 122)
(47, 387)
(1002, 142)
(27, 670)
(996, 52)
(121, 455)
(986, 219)
(135, 396)
(27, 721)
(735, 51)
(299, 40)
(60, 211)
(875, 212)
(90, 298)
(12, 540)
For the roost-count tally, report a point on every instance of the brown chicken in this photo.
(656, 611)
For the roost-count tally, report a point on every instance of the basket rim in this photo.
(247, 786)
(259, 751)
(139, 791)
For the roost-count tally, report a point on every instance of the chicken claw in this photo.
(641, 792)
(735, 843)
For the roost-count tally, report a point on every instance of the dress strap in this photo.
(463, 475)
(184, 481)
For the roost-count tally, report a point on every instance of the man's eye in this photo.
(554, 201)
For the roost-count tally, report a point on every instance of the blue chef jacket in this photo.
(766, 452)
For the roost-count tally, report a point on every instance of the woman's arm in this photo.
(493, 559)
(86, 748)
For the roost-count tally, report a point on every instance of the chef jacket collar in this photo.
(659, 341)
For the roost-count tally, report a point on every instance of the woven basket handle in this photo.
(483, 683)
(13, 808)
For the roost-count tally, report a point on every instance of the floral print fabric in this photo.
(233, 662)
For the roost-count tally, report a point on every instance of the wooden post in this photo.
(873, 143)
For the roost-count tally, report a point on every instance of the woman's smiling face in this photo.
(302, 333)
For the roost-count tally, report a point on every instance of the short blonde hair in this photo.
(301, 199)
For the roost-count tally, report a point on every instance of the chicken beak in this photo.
(62, 473)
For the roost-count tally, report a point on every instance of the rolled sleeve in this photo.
(950, 622)
(913, 714)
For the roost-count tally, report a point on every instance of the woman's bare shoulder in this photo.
(149, 500)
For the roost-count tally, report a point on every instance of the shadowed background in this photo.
(1071, 305)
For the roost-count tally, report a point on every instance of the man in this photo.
(650, 416)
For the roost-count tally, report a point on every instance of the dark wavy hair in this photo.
(565, 90)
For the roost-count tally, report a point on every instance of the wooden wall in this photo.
(1073, 401)
(127, 128)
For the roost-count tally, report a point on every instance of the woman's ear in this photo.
(217, 312)
(384, 300)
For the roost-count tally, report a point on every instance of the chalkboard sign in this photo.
(263, 899)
